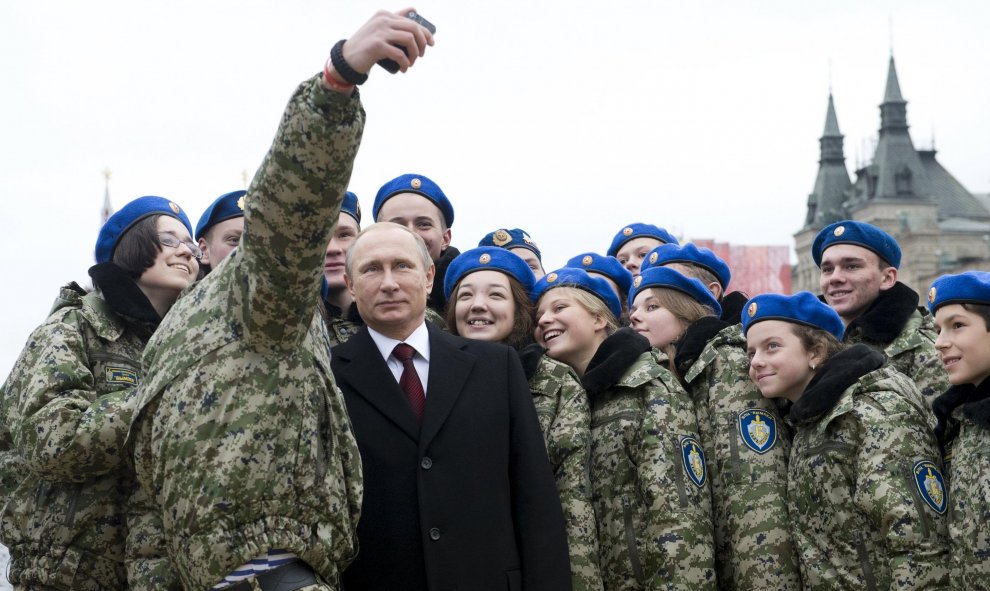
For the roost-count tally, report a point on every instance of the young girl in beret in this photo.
(488, 298)
(67, 404)
(865, 491)
(648, 471)
(961, 305)
(740, 430)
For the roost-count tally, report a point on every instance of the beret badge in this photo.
(240, 203)
(931, 295)
(415, 183)
(587, 260)
(752, 310)
(839, 231)
(501, 238)
(174, 207)
(485, 259)
(653, 257)
(551, 277)
(627, 232)
(637, 280)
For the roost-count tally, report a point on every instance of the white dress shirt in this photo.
(419, 340)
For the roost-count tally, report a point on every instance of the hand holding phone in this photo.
(391, 65)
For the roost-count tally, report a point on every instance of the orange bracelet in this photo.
(332, 82)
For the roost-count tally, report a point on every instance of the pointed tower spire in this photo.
(107, 207)
(825, 201)
(831, 121)
(893, 92)
(893, 110)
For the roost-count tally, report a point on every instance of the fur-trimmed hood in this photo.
(124, 297)
(884, 320)
(614, 356)
(975, 403)
(833, 378)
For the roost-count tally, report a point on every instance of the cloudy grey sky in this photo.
(569, 119)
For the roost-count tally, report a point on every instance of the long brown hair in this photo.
(685, 309)
(523, 318)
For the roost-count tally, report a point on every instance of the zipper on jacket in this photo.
(864, 562)
(631, 540)
(632, 415)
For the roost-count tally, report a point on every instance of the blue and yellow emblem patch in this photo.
(758, 429)
(121, 375)
(930, 485)
(694, 461)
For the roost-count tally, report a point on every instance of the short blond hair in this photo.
(592, 304)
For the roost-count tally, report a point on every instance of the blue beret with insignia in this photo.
(860, 234)
(420, 185)
(351, 206)
(571, 277)
(665, 277)
(227, 206)
(688, 254)
(639, 231)
(802, 308)
(971, 287)
(514, 238)
(130, 214)
(603, 265)
(487, 258)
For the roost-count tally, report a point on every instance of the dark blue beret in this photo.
(803, 308)
(603, 265)
(639, 231)
(130, 214)
(227, 206)
(690, 254)
(861, 234)
(351, 206)
(488, 258)
(571, 277)
(418, 184)
(514, 238)
(666, 277)
(971, 287)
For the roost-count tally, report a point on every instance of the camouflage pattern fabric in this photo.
(967, 462)
(746, 445)
(565, 419)
(242, 442)
(649, 482)
(68, 402)
(864, 514)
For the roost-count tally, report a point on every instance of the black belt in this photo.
(288, 577)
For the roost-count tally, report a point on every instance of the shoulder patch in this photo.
(121, 375)
(694, 461)
(758, 429)
(930, 484)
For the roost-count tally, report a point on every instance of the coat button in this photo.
(434, 534)
(426, 464)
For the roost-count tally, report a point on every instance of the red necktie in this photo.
(409, 382)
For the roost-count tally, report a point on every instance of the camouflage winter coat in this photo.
(865, 490)
(746, 446)
(649, 474)
(243, 443)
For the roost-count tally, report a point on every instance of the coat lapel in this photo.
(450, 367)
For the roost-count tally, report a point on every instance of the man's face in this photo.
(851, 279)
(532, 261)
(420, 215)
(388, 282)
(344, 234)
(219, 240)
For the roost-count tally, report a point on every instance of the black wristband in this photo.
(349, 74)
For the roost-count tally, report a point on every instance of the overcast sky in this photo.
(569, 119)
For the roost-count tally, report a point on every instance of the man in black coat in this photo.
(462, 496)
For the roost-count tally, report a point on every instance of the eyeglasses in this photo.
(171, 241)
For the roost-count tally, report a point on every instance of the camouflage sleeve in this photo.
(290, 209)
(62, 428)
(928, 373)
(569, 444)
(896, 442)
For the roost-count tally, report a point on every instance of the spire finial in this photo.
(107, 207)
(830, 76)
(890, 26)
(244, 178)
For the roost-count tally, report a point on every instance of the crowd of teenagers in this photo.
(280, 400)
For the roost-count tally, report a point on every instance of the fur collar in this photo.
(613, 358)
(436, 299)
(945, 405)
(694, 340)
(884, 320)
(732, 306)
(833, 378)
(351, 316)
(124, 296)
(530, 356)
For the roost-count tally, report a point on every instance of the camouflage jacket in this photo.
(242, 442)
(565, 419)
(68, 402)
(865, 490)
(905, 332)
(746, 445)
(649, 476)
(967, 467)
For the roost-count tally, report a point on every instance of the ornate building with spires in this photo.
(940, 226)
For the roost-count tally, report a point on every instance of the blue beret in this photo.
(487, 258)
(690, 254)
(802, 308)
(130, 214)
(639, 231)
(607, 266)
(514, 238)
(227, 206)
(570, 277)
(666, 277)
(418, 184)
(351, 206)
(861, 234)
(971, 287)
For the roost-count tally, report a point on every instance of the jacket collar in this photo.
(695, 339)
(614, 356)
(884, 320)
(530, 356)
(122, 295)
(834, 377)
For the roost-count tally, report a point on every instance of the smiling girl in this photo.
(865, 491)
(648, 469)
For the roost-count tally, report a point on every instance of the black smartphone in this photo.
(390, 65)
